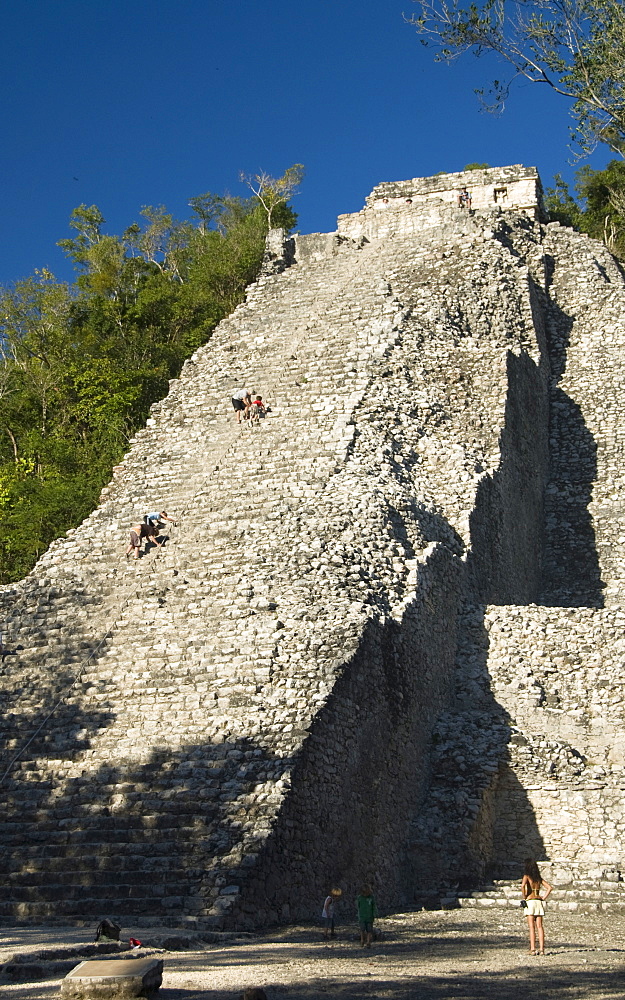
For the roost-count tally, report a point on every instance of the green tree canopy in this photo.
(600, 206)
(274, 192)
(81, 364)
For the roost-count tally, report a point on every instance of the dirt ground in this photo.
(442, 955)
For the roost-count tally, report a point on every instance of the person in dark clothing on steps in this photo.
(241, 401)
(135, 541)
(149, 531)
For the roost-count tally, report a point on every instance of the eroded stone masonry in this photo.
(385, 640)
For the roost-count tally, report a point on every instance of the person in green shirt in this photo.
(367, 911)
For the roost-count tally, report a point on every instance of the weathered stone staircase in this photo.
(600, 896)
(220, 480)
(577, 888)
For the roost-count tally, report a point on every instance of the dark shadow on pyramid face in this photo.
(459, 837)
(571, 570)
(515, 833)
(506, 524)
(532, 536)
(143, 839)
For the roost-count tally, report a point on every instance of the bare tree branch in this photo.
(575, 47)
(274, 191)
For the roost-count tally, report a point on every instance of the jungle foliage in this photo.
(81, 363)
(599, 206)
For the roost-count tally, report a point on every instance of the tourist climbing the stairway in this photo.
(156, 520)
(241, 401)
(149, 530)
(157, 516)
(534, 904)
(367, 912)
(257, 409)
(135, 541)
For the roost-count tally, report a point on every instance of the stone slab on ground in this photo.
(103, 979)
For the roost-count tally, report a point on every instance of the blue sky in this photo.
(125, 103)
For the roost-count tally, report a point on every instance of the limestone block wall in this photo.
(408, 207)
(538, 767)
(561, 681)
(557, 670)
(522, 183)
(585, 554)
(361, 774)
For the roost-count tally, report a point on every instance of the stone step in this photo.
(588, 895)
(559, 892)
(142, 868)
(92, 908)
(563, 906)
(121, 889)
(153, 844)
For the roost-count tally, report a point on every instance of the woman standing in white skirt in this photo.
(531, 885)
